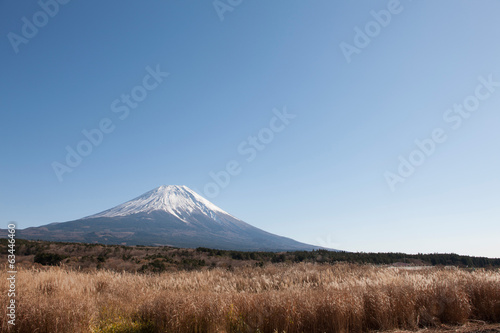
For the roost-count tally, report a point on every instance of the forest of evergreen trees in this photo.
(324, 256)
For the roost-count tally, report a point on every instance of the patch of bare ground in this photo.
(475, 326)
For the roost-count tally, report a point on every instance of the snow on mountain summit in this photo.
(166, 216)
(177, 200)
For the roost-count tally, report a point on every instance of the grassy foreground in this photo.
(274, 298)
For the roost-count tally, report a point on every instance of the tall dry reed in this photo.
(295, 298)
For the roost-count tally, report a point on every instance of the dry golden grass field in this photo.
(274, 298)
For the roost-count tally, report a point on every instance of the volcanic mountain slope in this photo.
(168, 215)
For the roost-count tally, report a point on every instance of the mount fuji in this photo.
(168, 215)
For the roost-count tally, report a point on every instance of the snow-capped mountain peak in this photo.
(177, 200)
(166, 216)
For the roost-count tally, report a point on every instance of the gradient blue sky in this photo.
(321, 180)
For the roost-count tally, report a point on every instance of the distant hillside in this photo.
(165, 216)
(157, 259)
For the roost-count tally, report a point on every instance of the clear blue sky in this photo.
(322, 178)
